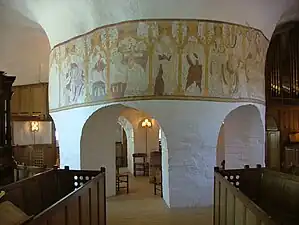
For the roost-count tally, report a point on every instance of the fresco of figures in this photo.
(159, 58)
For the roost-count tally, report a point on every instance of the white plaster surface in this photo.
(61, 21)
(99, 136)
(191, 132)
(165, 169)
(24, 48)
(244, 142)
(241, 139)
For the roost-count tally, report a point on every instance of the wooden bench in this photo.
(61, 197)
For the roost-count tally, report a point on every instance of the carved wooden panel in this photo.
(25, 100)
(30, 100)
(273, 149)
(39, 99)
(287, 119)
(36, 155)
(15, 102)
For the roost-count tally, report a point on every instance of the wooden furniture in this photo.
(22, 171)
(36, 155)
(155, 165)
(7, 163)
(140, 164)
(282, 90)
(273, 153)
(157, 181)
(122, 182)
(121, 154)
(30, 100)
(61, 197)
(11, 215)
(255, 196)
(291, 155)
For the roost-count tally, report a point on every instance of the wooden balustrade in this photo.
(256, 196)
(64, 197)
(231, 205)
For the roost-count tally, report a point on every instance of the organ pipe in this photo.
(282, 66)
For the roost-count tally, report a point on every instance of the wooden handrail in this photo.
(45, 217)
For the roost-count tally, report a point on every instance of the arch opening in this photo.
(241, 139)
(103, 130)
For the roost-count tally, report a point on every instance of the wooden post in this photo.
(103, 169)
(55, 167)
(102, 199)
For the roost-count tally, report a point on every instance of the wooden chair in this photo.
(155, 164)
(140, 164)
(158, 182)
(121, 178)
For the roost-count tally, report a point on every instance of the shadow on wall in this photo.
(99, 135)
(241, 139)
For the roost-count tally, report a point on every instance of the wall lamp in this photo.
(34, 125)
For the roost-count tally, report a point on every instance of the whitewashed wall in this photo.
(191, 152)
(244, 141)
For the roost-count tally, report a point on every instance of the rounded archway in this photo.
(241, 138)
(99, 135)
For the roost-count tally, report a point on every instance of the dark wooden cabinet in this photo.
(6, 157)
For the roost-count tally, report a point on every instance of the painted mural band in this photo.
(159, 58)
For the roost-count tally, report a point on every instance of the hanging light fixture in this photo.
(146, 123)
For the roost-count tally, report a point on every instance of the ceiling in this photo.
(64, 19)
(32, 27)
(24, 47)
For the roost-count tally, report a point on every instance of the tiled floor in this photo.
(142, 207)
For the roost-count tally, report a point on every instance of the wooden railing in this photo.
(64, 197)
(231, 205)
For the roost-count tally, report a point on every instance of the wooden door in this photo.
(273, 149)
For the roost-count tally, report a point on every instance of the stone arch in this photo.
(97, 145)
(241, 138)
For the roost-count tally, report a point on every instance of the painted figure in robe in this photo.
(98, 78)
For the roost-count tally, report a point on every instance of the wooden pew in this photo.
(64, 197)
(231, 204)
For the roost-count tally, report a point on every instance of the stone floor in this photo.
(142, 207)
